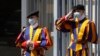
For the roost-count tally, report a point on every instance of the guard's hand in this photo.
(31, 46)
(69, 15)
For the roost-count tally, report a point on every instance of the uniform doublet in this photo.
(40, 38)
(81, 32)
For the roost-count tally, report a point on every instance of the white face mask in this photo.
(32, 21)
(77, 15)
(82, 16)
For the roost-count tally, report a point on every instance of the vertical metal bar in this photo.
(34, 4)
(80, 1)
(39, 3)
(47, 3)
(67, 6)
(44, 12)
(77, 2)
(74, 2)
(96, 22)
(55, 46)
(70, 5)
(90, 17)
(29, 6)
(63, 7)
(41, 7)
(23, 16)
(98, 26)
(24, 13)
(83, 2)
(59, 33)
(67, 12)
(63, 35)
(90, 9)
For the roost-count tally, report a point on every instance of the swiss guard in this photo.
(81, 30)
(34, 40)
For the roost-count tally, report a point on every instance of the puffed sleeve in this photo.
(46, 40)
(63, 24)
(92, 36)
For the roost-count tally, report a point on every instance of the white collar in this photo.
(82, 17)
(35, 25)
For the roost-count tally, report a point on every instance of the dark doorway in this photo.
(10, 24)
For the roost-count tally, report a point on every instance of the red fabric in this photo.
(48, 38)
(24, 45)
(36, 44)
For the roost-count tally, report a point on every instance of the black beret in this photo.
(74, 8)
(36, 13)
(80, 7)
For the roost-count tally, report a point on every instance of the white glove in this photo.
(68, 14)
(28, 41)
(31, 46)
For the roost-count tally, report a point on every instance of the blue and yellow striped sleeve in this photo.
(46, 38)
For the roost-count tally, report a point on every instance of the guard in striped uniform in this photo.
(81, 29)
(33, 39)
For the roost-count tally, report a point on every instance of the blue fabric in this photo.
(27, 34)
(75, 35)
(43, 39)
(21, 39)
(73, 46)
(27, 38)
(27, 53)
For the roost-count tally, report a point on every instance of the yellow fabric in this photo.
(71, 52)
(35, 38)
(79, 34)
(83, 53)
(82, 29)
(37, 33)
(78, 47)
(72, 38)
(77, 23)
(31, 32)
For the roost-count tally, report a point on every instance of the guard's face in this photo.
(80, 11)
(79, 14)
(33, 20)
(34, 17)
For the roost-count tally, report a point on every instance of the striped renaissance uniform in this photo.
(81, 32)
(40, 38)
